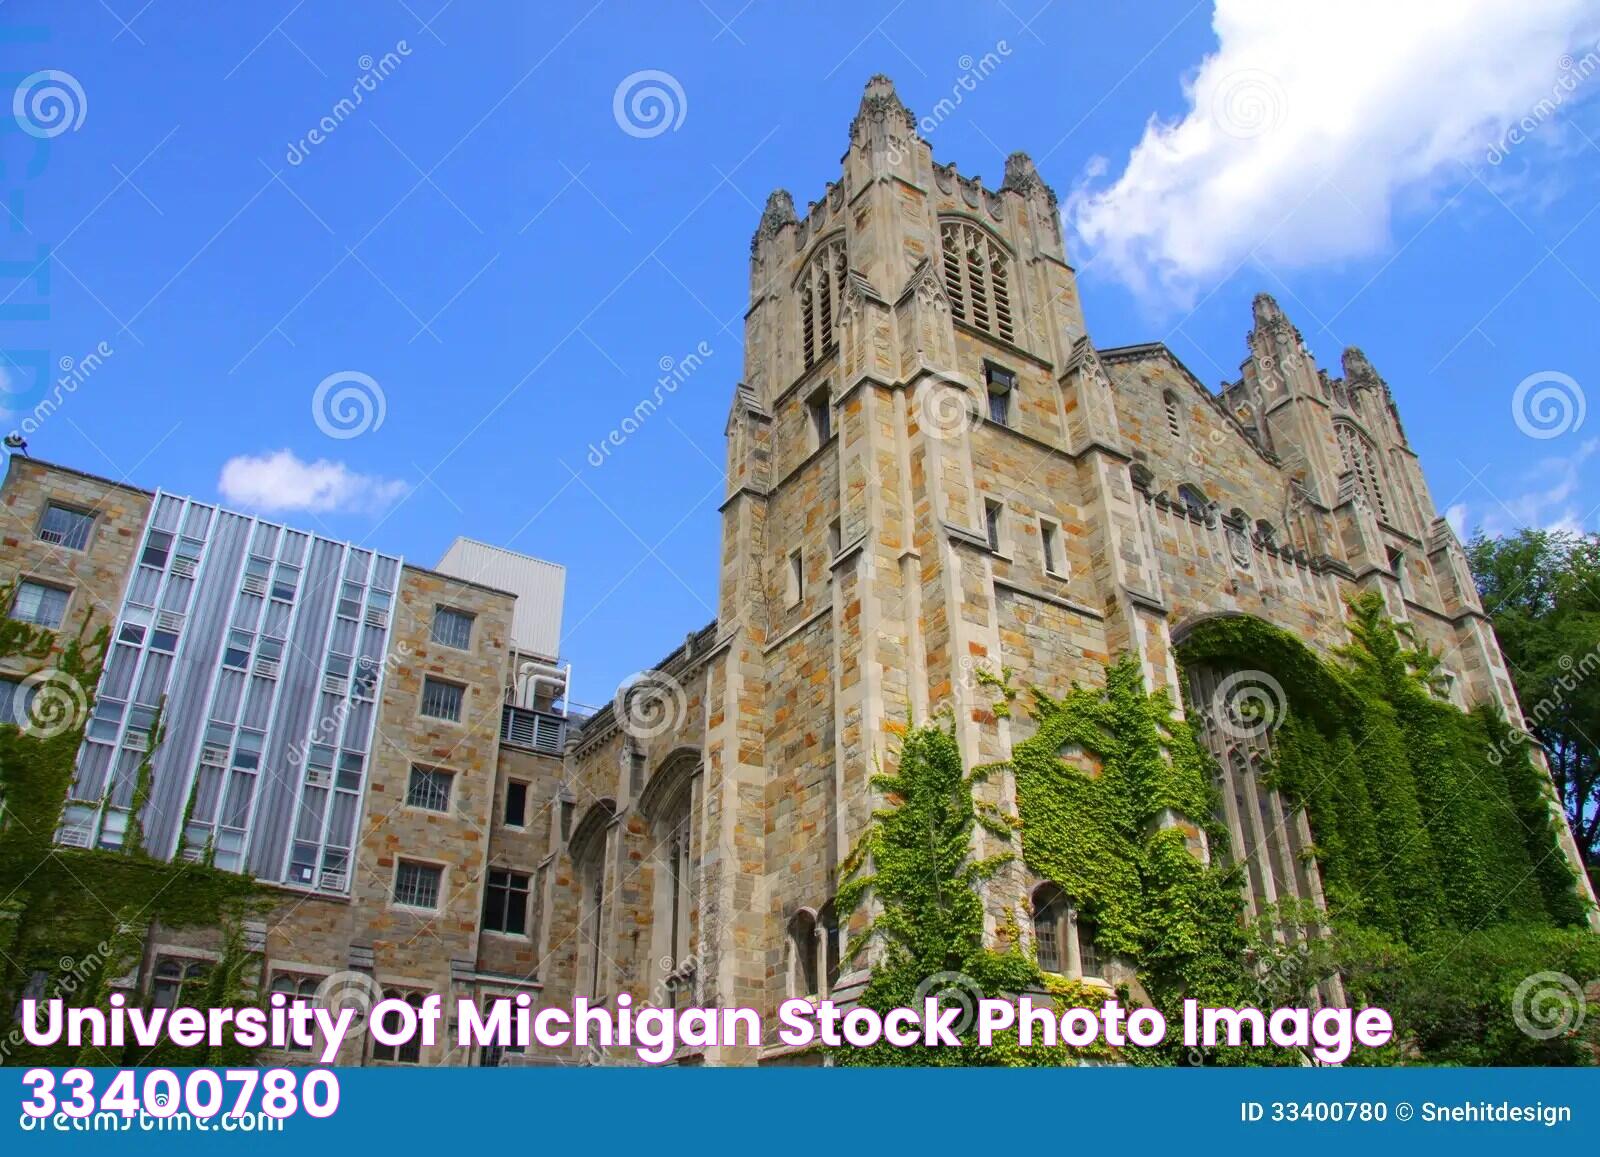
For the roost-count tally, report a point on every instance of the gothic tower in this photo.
(932, 471)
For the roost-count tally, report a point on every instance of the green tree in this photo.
(1542, 590)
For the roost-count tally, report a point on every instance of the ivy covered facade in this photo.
(1205, 664)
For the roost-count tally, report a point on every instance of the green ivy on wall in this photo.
(1435, 841)
(80, 916)
(1424, 817)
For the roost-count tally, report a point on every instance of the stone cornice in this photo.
(1046, 597)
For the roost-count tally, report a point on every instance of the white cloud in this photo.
(280, 481)
(1312, 121)
(1552, 496)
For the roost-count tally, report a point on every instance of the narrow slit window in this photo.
(1050, 545)
(820, 408)
(1002, 384)
(797, 577)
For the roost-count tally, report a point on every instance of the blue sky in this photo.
(509, 268)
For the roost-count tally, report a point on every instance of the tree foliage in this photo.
(1542, 590)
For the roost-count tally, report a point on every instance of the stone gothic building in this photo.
(932, 470)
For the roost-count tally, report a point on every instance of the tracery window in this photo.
(803, 954)
(1269, 837)
(821, 293)
(174, 981)
(977, 278)
(298, 990)
(587, 848)
(1361, 457)
(674, 831)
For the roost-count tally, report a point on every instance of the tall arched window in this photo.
(1269, 837)
(676, 859)
(803, 954)
(1361, 457)
(821, 293)
(593, 876)
(668, 803)
(977, 278)
(1065, 939)
(588, 851)
(832, 945)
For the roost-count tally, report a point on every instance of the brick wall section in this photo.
(95, 575)
(414, 950)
